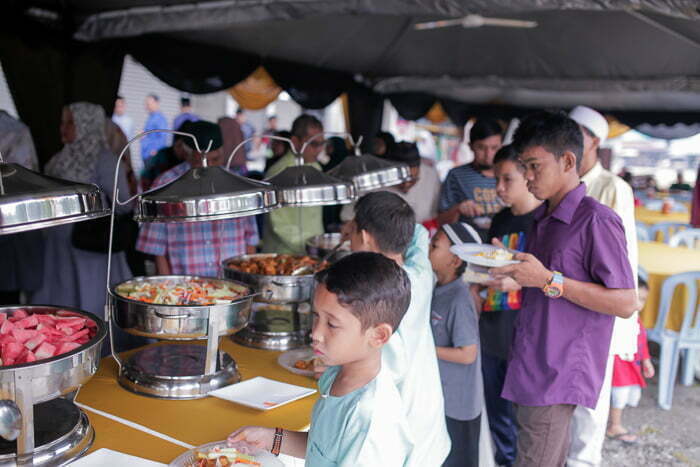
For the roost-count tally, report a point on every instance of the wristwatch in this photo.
(554, 288)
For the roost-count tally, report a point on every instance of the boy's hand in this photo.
(530, 272)
(469, 208)
(258, 436)
(648, 369)
(504, 284)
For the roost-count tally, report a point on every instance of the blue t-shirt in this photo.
(455, 324)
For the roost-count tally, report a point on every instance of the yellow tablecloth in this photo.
(194, 421)
(662, 261)
(647, 216)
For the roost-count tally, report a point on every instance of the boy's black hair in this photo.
(484, 128)
(371, 286)
(301, 125)
(388, 218)
(510, 154)
(554, 131)
(405, 152)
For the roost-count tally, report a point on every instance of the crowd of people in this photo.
(413, 355)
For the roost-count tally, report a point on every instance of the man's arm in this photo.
(530, 272)
(163, 266)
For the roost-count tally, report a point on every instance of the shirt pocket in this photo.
(316, 458)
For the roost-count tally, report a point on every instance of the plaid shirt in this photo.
(196, 248)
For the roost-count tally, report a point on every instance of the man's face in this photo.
(241, 117)
(151, 104)
(67, 129)
(272, 123)
(337, 337)
(590, 150)
(545, 173)
(485, 150)
(214, 158)
(119, 107)
(315, 146)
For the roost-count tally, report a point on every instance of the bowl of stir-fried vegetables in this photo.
(178, 307)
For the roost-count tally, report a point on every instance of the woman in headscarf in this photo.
(74, 277)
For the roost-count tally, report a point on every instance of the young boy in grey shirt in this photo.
(456, 334)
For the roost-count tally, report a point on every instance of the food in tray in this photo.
(182, 291)
(499, 254)
(277, 265)
(27, 337)
(305, 364)
(218, 456)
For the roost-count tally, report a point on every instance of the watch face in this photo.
(553, 292)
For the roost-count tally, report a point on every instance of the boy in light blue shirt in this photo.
(359, 420)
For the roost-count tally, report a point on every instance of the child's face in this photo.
(642, 294)
(444, 262)
(510, 182)
(337, 336)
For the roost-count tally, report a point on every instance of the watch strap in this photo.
(277, 441)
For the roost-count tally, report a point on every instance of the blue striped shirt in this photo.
(465, 183)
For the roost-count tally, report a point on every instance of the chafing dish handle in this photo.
(282, 284)
(164, 316)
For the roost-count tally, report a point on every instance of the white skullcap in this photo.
(592, 120)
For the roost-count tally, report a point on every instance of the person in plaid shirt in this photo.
(197, 248)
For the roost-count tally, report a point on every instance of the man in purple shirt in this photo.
(575, 277)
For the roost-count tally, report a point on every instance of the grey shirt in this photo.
(455, 324)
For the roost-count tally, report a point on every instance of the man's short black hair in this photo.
(154, 97)
(508, 153)
(554, 131)
(119, 98)
(405, 152)
(373, 287)
(301, 125)
(185, 102)
(484, 128)
(388, 219)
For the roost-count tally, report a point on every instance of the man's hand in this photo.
(504, 284)
(528, 273)
(258, 436)
(469, 208)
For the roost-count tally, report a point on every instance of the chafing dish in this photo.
(52, 431)
(321, 245)
(368, 172)
(272, 288)
(304, 185)
(178, 322)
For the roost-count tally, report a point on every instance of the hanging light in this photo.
(30, 200)
(368, 172)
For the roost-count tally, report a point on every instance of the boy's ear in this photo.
(569, 159)
(368, 240)
(380, 335)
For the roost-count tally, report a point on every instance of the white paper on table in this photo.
(103, 457)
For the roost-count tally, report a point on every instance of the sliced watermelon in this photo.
(3, 317)
(28, 322)
(48, 319)
(30, 357)
(11, 350)
(45, 350)
(6, 328)
(67, 330)
(34, 342)
(67, 347)
(19, 314)
(74, 337)
(23, 335)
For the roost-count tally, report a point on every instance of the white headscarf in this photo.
(77, 161)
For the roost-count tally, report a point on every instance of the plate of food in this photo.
(219, 454)
(181, 290)
(489, 256)
(262, 393)
(299, 361)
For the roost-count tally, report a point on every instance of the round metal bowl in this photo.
(321, 245)
(55, 376)
(273, 289)
(177, 322)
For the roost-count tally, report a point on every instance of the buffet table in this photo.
(662, 261)
(650, 217)
(191, 421)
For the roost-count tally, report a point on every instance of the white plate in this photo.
(468, 251)
(290, 357)
(188, 458)
(262, 393)
(104, 456)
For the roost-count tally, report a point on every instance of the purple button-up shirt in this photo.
(560, 349)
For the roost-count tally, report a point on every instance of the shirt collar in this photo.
(566, 208)
(592, 174)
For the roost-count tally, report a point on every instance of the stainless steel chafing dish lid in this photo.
(30, 200)
(205, 194)
(304, 185)
(368, 172)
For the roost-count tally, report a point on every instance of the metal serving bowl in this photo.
(177, 322)
(273, 289)
(321, 245)
(56, 376)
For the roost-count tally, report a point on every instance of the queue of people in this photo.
(413, 356)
